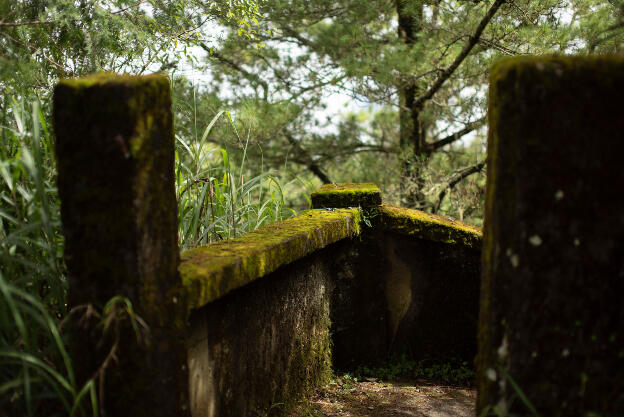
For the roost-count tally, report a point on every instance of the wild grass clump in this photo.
(216, 200)
(31, 242)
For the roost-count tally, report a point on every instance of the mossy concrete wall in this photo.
(432, 295)
(552, 316)
(210, 272)
(354, 280)
(346, 195)
(115, 149)
(414, 290)
(260, 320)
(273, 310)
(257, 350)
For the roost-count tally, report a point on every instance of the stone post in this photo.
(341, 195)
(552, 310)
(115, 155)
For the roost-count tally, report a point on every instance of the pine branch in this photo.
(306, 159)
(33, 23)
(456, 179)
(472, 41)
(431, 147)
(250, 76)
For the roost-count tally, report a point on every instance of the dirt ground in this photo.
(345, 397)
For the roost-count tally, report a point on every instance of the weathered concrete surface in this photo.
(360, 332)
(115, 153)
(432, 297)
(346, 195)
(209, 272)
(552, 315)
(409, 293)
(280, 306)
(256, 350)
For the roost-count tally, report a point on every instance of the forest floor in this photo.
(346, 397)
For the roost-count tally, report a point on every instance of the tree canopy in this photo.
(418, 68)
(420, 65)
(44, 40)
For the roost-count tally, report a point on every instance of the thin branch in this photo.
(307, 160)
(34, 49)
(362, 149)
(235, 66)
(296, 36)
(472, 41)
(500, 48)
(456, 179)
(120, 11)
(602, 39)
(33, 23)
(431, 147)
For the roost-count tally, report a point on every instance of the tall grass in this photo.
(215, 201)
(31, 243)
(36, 374)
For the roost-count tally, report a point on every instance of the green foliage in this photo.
(44, 40)
(453, 371)
(36, 375)
(36, 371)
(464, 200)
(353, 48)
(31, 243)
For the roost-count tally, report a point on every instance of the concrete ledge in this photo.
(209, 272)
(429, 226)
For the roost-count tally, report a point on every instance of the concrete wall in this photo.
(412, 291)
(320, 290)
(262, 346)
(266, 312)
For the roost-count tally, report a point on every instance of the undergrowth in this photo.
(453, 371)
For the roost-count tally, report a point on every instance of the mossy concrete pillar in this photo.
(344, 195)
(115, 155)
(552, 316)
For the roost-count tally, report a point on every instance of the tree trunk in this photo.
(412, 141)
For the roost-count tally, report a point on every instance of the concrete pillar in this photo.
(552, 310)
(115, 155)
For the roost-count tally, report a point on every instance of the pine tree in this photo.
(422, 62)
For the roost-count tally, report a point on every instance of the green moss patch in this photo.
(209, 272)
(108, 78)
(428, 226)
(346, 195)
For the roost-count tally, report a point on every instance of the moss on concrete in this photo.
(259, 349)
(209, 272)
(429, 226)
(346, 195)
(109, 78)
